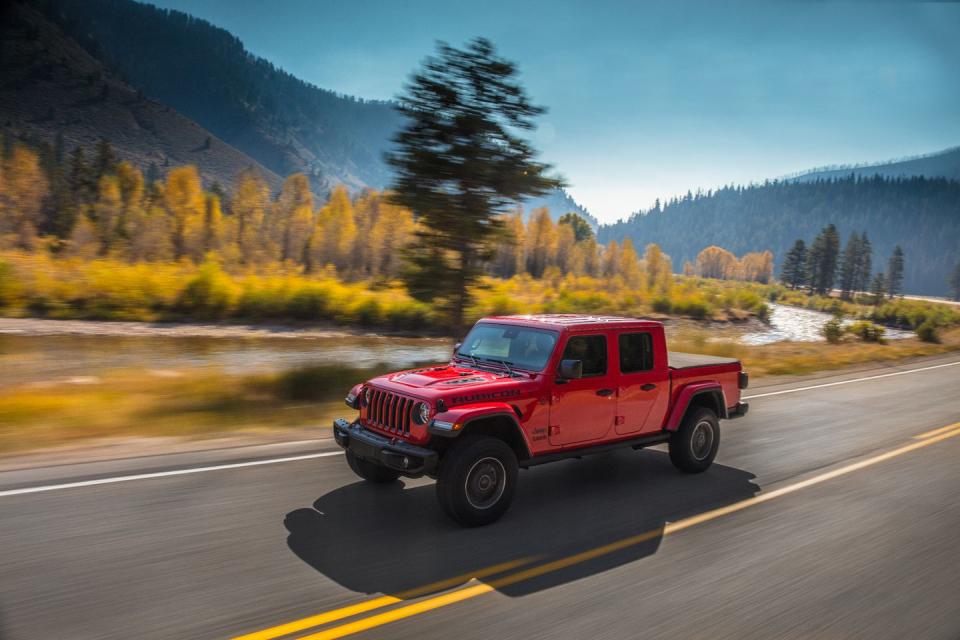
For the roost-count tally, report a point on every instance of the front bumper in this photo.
(738, 411)
(408, 459)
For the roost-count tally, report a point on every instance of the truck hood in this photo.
(445, 377)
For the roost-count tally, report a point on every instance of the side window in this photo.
(636, 352)
(592, 350)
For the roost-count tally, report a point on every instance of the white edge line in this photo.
(310, 456)
(834, 384)
(164, 474)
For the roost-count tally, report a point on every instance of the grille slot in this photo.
(390, 411)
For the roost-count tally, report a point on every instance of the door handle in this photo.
(649, 386)
(604, 392)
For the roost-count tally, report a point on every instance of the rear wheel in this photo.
(694, 445)
(371, 471)
(477, 480)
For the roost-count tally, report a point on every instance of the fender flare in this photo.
(686, 396)
(456, 420)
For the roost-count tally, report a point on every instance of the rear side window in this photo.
(636, 352)
(591, 350)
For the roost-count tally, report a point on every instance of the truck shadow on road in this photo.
(394, 539)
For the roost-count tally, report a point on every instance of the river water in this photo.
(801, 325)
(45, 351)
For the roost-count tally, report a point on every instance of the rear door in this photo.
(643, 387)
(583, 410)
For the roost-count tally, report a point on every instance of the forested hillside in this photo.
(921, 215)
(942, 164)
(206, 73)
(53, 92)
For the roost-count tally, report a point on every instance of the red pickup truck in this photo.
(526, 390)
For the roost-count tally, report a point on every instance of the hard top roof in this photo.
(573, 321)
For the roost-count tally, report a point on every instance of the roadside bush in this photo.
(661, 304)
(8, 284)
(209, 294)
(693, 307)
(928, 332)
(832, 330)
(867, 331)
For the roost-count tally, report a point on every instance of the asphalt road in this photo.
(825, 516)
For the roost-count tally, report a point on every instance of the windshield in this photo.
(518, 347)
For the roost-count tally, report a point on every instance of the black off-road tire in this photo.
(371, 471)
(694, 445)
(477, 478)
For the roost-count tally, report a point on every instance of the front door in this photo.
(583, 410)
(643, 389)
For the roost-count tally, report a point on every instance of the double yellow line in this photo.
(472, 590)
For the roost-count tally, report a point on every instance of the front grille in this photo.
(389, 411)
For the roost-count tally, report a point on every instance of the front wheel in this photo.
(694, 445)
(371, 471)
(477, 480)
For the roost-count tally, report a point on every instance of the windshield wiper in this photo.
(505, 363)
(473, 358)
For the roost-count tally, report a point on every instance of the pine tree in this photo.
(878, 287)
(460, 163)
(822, 261)
(850, 266)
(105, 158)
(866, 263)
(581, 228)
(793, 271)
(895, 272)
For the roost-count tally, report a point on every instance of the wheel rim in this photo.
(485, 483)
(701, 440)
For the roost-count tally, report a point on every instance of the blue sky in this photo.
(648, 100)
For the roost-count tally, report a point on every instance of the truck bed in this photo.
(677, 360)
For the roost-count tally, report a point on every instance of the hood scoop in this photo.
(466, 380)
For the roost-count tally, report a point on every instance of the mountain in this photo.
(206, 73)
(559, 202)
(51, 86)
(942, 164)
(920, 214)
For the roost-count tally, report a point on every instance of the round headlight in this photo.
(421, 413)
(365, 397)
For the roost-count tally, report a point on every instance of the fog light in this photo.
(406, 462)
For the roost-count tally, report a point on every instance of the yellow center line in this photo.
(934, 432)
(469, 592)
(383, 601)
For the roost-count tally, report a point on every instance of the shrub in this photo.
(867, 331)
(832, 330)
(8, 284)
(928, 332)
(209, 294)
(661, 304)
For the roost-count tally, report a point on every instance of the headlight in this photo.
(421, 413)
(365, 397)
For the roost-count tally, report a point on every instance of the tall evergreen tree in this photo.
(878, 287)
(850, 266)
(793, 271)
(866, 263)
(460, 163)
(895, 272)
(822, 261)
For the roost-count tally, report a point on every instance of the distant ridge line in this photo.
(866, 165)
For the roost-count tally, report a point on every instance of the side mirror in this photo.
(571, 369)
(456, 348)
